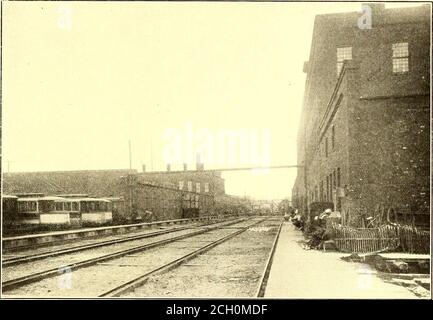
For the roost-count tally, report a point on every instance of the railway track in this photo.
(139, 283)
(7, 262)
(32, 241)
(35, 277)
(130, 285)
(264, 278)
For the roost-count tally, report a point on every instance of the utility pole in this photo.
(151, 153)
(9, 162)
(130, 182)
(130, 158)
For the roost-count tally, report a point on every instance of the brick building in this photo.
(364, 137)
(199, 180)
(133, 194)
(165, 202)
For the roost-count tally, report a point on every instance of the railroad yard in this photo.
(220, 257)
(224, 257)
(216, 151)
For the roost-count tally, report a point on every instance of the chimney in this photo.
(144, 167)
(185, 167)
(199, 165)
(378, 7)
(168, 167)
(305, 68)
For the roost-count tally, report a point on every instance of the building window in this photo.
(338, 177)
(400, 57)
(189, 185)
(321, 191)
(333, 137)
(334, 179)
(327, 188)
(67, 206)
(27, 206)
(75, 206)
(344, 53)
(197, 187)
(326, 147)
(180, 185)
(206, 187)
(22, 206)
(59, 206)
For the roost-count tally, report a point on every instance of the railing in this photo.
(388, 237)
(414, 240)
(363, 240)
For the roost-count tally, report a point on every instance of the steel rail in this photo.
(132, 284)
(98, 232)
(265, 275)
(52, 253)
(20, 281)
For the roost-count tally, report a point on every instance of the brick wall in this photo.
(216, 183)
(381, 119)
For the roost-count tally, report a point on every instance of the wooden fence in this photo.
(388, 237)
(413, 240)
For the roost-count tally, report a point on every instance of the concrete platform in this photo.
(311, 274)
(24, 241)
(405, 256)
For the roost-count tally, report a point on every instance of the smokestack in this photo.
(144, 167)
(199, 165)
(376, 7)
(185, 167)
(168, 167)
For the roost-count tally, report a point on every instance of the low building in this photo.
(132, 195)
(199, 180)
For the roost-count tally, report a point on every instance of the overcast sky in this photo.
(81, 79)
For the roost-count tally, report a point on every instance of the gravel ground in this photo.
(28, 268)
(16, 271)
(231, 269)
(79, 242)
(94, 280)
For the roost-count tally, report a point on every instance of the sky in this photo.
(82, 79)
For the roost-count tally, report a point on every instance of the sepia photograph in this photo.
(262, 150)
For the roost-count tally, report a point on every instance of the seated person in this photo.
(319, 235)
(298, 222)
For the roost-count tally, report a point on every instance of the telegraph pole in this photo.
(9, 163)
(130, 158)
(151, 153)
(130, 182)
